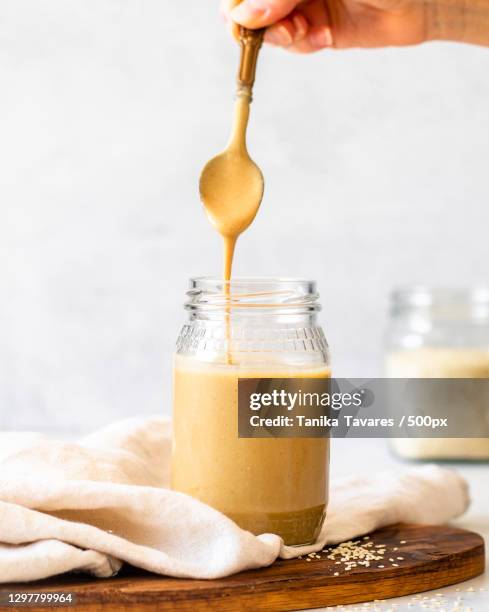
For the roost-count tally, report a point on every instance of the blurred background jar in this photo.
(440, 333)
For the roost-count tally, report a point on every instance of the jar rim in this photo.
(256, 294)
(433, 295)
(248, 280)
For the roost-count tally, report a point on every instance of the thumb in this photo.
(261, 13)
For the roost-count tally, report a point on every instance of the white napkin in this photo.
(93, 505)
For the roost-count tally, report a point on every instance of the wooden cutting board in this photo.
(432, 557)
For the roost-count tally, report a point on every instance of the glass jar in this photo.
(440, 333)
(249, 328)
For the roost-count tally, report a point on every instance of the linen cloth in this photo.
(93, 505)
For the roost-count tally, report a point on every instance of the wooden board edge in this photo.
(425, 578)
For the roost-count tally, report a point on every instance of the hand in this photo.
(305, 26)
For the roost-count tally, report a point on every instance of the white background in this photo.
(377, 170)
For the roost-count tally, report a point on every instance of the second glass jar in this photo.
(439, 332)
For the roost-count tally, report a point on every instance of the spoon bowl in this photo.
(231, 190)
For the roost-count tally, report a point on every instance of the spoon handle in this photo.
(250, 42)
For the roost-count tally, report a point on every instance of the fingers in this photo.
(261, 13)
(296, 35)
(318, 38)
(287, 31)
(305, 30)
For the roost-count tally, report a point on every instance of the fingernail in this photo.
(321, 38)
(279, 36)
(255, 8)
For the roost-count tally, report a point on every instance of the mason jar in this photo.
(249, 328)
(442, 333)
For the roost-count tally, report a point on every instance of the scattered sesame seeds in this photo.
(363, 552)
